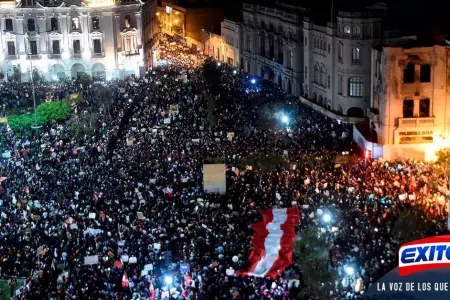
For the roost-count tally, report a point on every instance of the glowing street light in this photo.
(326, 218)
(168, 280)
(349, 270)
(253, 81)
(234, 72)
(285, 119)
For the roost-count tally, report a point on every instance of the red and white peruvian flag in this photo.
(273, 242)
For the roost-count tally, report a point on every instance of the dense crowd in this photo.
(111, 214)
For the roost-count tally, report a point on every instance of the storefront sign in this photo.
(415, 133)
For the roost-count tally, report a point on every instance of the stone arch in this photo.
(280, 80)
(98, 71)
(320, 100)
(356, 112)
(78, 70)
(57, 71)
(314, 97)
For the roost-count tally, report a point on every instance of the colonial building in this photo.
(338, 60)
(231, 32)
(150, 30)
(70, 38)
(410, 102)
(272, 44)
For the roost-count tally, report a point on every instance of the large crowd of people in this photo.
(112, 214)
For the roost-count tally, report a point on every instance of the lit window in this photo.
(356, 86)
(75, 24)
(356, 59)
(347, 29)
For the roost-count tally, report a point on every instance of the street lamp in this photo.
(168, 280)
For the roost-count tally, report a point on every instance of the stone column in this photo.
(139, 28)
(42, 34)
(119, 39)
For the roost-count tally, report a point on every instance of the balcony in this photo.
(11, 56)
(412, 122)
(98, 55)
(54, 56)
(130, 53)
(76, 55)
(34, 56)
(374, 115)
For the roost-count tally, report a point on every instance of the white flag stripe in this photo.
(271, 244)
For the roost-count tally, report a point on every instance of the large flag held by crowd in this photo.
(273, 242)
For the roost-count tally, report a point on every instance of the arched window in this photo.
(356, 30)
(346, 29)
(356, 86)
(30, 24)
(127, 21)
(290, 35)
(271, 27)
(322, 76)
(316, 73)
(75, 23)
(263, 25)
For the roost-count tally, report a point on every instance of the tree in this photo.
(53, 111)
(414, 221)
(264, 163)
(36, 76)
(17, 74)
(311, 254)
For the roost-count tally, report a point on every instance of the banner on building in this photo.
(214, 180)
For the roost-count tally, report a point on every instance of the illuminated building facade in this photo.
(68, 39)
(410, 102)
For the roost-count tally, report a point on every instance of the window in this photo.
(97, 46)
(346, 29)
(408, 108)
(425, 73)
(9, 25)
(356, 87)
(340, 84)
(329, 81)
(316, 73)
(30, 25)
(322, 76)
(356, 31)
(409, 73)
(11, 48)
(340, 53)
(95, 23)
(424, 108)
(280, 51)
(306, 72)
(55, 47)
(75, 24)
(33, 48)
(76, 46)
(321, 45)
(54, 24)
(263, 25)
(356, 56)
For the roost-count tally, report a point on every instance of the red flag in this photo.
(125, 282)
(273, 242)
(152, 291)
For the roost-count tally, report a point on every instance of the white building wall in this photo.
(113, 58)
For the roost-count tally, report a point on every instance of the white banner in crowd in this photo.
(214, 179)
(91, 260)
